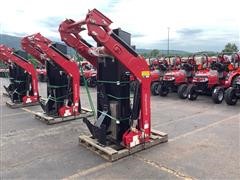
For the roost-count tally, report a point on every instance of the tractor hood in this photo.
(176, 74)
(205, 76)
(155, 75)
(154, 72)
(89, 73)
(41, 71)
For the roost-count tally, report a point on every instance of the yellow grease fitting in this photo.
(145, 74)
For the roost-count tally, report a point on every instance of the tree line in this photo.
(229, 48)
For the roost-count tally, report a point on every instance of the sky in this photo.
(193, 25)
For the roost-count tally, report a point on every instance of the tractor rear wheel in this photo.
(191, 92)
(218, 95)
(163, 90)
(234, 81)
(154, 88)
(182, 91)
(230, 96)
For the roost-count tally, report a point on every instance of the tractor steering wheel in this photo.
(187, 67)
(217, 66)
(163, 67)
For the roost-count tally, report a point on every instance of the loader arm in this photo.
(26, 45)
(69, 30)
(3, 58)
(7, 54)
(42, 48)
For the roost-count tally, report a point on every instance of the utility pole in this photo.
(168, 41)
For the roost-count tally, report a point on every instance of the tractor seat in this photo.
(220, 75)
(163, 67)
(189, 74)
(188, 68)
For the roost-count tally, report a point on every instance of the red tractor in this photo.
(177, 80)
(41, 73)
(160, 67)
(90, 73)
(214, 79)
(232, 94)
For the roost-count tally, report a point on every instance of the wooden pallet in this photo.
(113, 153)
(20, 105)
(54, 120)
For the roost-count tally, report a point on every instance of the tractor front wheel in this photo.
(191, 92)
(230, 96)
(182, 91)
(218, 95)
(154, 88)
(163, 90)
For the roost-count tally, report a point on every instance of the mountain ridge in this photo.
(15, 42)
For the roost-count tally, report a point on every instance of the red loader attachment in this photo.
(63, 99)
(23, 88)
(89, 73)
(117, 122)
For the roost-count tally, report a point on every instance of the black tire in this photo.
(182, 91)
(154, 88)
(163, 90)
(230, 96)
(218, 95)
(191, 92)
(234, 81)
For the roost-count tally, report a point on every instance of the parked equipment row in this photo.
(218, 77)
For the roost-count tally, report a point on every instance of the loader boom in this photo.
(42, 49)
(8, 55)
